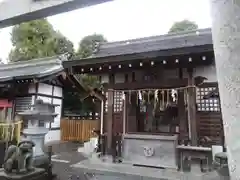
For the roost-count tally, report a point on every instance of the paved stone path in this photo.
(65, 154)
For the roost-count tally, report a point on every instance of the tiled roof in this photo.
(155, 43)
(36, 68)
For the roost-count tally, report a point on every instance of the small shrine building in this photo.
(157, 92)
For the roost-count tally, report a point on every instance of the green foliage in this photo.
(72, 103)
(37, 39)
(88, 44)
(86, 48)
(91, 81)
(184, 25)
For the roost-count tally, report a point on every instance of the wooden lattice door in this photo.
(118, 112)
(209, 117)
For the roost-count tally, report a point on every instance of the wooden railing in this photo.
(78, 130)
(10, 131)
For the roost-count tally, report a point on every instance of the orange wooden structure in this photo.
(78, 130)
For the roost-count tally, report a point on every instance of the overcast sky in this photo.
(123, 19)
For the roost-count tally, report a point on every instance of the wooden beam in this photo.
(169, 83)
(158, 55)
(192, 120)
(91, 91)
(110, 100)
(75, 81)
(181, 110)
(15, 12)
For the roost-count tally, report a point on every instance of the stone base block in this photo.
(41, 162)
(38, 174)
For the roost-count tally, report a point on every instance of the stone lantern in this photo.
(37, 117)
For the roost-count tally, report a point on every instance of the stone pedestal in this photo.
(37, 136)
(38, 174)
(150, 150)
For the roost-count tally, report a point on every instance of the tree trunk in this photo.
(226, 39)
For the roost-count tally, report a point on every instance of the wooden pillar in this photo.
(191, 98)
(102, 116)
(14, 88)
(181, 110)
(110, 115)
(124, 113)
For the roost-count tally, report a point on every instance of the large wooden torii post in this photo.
(14, 12)
(226, 40)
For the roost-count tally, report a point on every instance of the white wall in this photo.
(58, 110)
(57, 91)
(45, 89)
